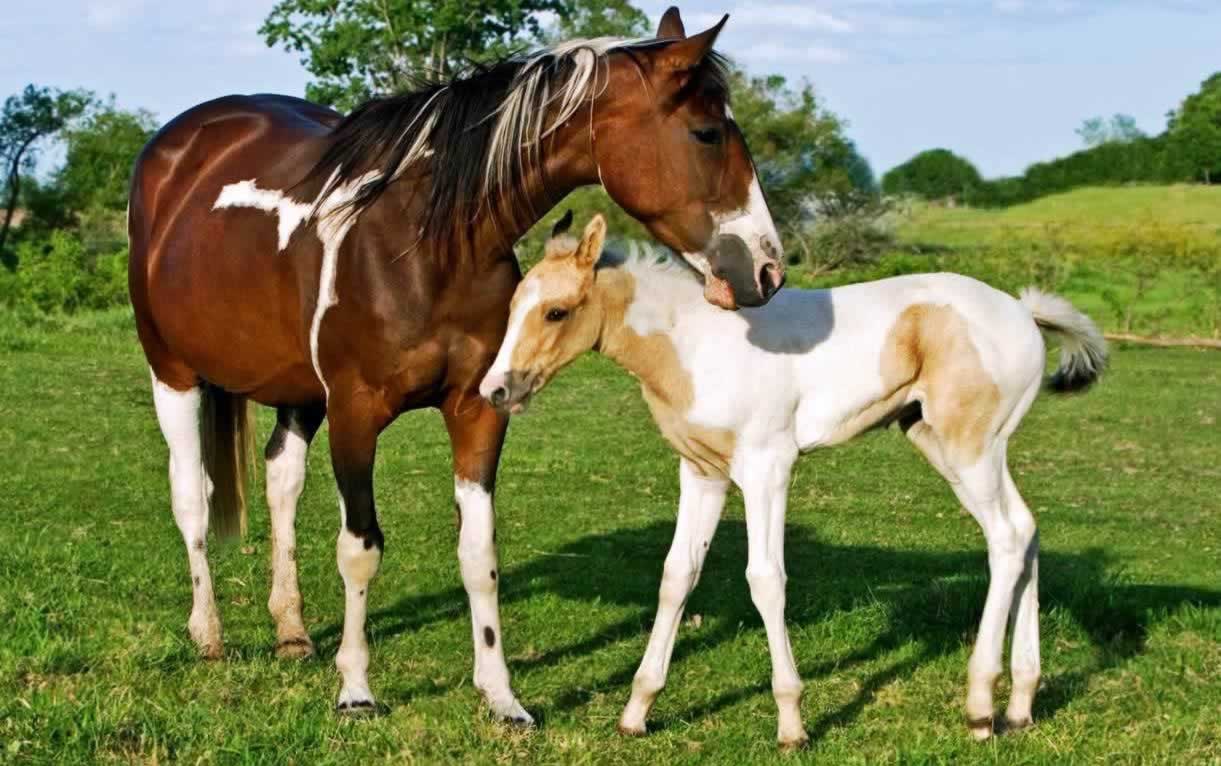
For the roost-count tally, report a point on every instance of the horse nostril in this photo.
(771, 278)
(499, 396)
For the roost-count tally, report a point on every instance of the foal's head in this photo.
(668, 151)
(553, 319)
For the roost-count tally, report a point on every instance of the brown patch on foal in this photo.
(929, 348)
(667, 387)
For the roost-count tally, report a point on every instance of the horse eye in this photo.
(557, 315)
(710, 136)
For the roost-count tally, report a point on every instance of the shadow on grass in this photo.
(932, 599)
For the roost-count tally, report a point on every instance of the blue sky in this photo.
(1004, 82)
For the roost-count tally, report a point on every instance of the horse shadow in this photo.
(932, 599)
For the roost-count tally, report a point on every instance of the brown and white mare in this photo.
(350, 268)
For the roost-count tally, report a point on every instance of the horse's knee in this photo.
(766, 587)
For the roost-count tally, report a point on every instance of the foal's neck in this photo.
(642, 347)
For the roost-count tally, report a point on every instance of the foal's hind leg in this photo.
(286, 452)
(979, 485)
(1024, 620)
(178, 414)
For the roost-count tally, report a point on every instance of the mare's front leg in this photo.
(476, 433)
(286, 454)
(354, 421)
(699, 511)
(764, 478)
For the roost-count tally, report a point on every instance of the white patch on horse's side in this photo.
(332, 229)
(290, 212)
(529, 300)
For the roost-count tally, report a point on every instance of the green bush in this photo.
(59, 275)
(934, 174)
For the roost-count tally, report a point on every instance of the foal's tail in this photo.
(1083, 351)
(228, 447)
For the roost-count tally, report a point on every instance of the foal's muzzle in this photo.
(506, 391)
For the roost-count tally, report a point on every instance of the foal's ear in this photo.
(686, 54)
(671, 24)
(563, 225)
(592, 241)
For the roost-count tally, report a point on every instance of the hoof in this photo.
(630, 731)
(212, 652)
(357, 709)
(1017, 724)
(980, 728)
(795, 744)
(516, 722)
(294, 649)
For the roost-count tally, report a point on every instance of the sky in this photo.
(1003, 82)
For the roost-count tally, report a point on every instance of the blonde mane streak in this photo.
(521, 120)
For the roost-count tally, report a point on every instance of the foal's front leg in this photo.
(764, 480)
(699, 511)
(476, 432)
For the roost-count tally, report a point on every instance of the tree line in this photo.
(1189, 150)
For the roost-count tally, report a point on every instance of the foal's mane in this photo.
(478, 136)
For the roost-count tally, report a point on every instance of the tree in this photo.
(601, 18)
(26, 119)
(356, 49)
(933, 174)
(1121, 128)
(799, 147)
(1195, 131)
(101, 149)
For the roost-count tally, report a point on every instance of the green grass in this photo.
(887, 579)
(1141, 259)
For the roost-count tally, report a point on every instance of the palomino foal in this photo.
(739, 395)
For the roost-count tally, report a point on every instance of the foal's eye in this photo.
(710, 136)
(557, 315)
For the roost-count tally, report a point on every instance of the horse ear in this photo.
(686, 54)
(592, 241)
(563, 225)
(671, 24)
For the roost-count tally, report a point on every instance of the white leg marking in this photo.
(190, 488)
(477, 560)
(357, 566)
(699, 511)
(285, 482)
(765, 488)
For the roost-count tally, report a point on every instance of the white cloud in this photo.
(104, 14)
(792, 54)
(789, 16)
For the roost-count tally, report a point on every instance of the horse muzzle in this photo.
(507, 391)
(737, 277)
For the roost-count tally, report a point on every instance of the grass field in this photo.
(887, 580)
(1141, 259)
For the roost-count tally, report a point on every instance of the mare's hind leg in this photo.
(979, 485)
(286, 452)
(178, 412)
